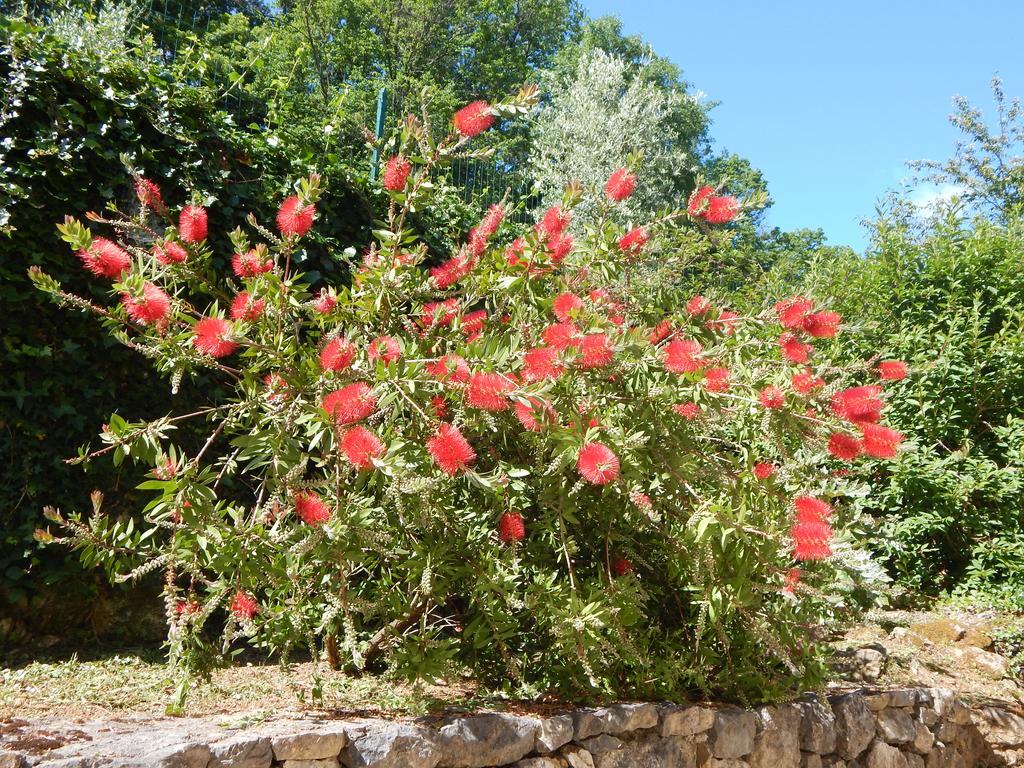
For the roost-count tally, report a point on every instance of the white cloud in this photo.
(928, 197)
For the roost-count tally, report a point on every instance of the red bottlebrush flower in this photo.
(620, 185)
(772, 397)
(251, 263)
(641, 500)
(725, 322)
(243, 606)
(448, 274)
(293, 218)
(192, 224)
(166, 469)
(554, 222)
(170, 252)
(811, 531)
(337, 355)
(688, 411)
(698, 305)
(880, 442)
(858, 404)
(105, 258)
(599, 295)
(361, 447)
(621, 567)
(439, 313)
(722, 210)
(793, 349)
(805, 381)
(472, 324)
(792, 580)
(325, 301)
(395, 173)
(561, 336)
(634, 240)
(699, 199)
(893, 370)
(514, 253)
(527, 413)
(152, 308)
(559, 247)
(764, 470)
(187, 607)
(149, 194)
(350, 404)
(311, 509)
(384, 348)
(511, 528)
(473, 119)
(449, 368)
(660, 332)
(566, 305)
(450, 450)
(437, 402)
(489, 392)
(277, 387)
(597, 464)
(213, 337)
(542, 363)
(680, 356)
(595, 351)
(247, 307)
(477, 242)
(792, 311)
(844, 446)
(716, 379)
(491, 221)
(822, 325)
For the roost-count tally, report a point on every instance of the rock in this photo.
(902, 697)
(876, 701)
(913, 761)
(991, 664)
(391, 745)
(976, 637)
(817, 727)
(615, 719)
(181, 756)
(855, 725)
(1000, 727)
(648, 751)
(596, 745)
(940, 631)
(308, 745)
(327, 762)
(896, 726)
(715, 762)
(732, 734)
(488, 739)
(862, 665)
(923, 739)
(904, 635)
(686, 721)
(242, 752)
(810, 760)
(577, 757)
(881, 755)
(12, 760)
(537, 762)
(553, 733)
(776, 748)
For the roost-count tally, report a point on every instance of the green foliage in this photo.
(73, 115)
(947, 299)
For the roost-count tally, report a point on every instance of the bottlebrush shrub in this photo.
(495, 462)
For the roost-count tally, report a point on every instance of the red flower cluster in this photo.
(151, 308)
(566, 306)
(704, 204)
(337, 354)
(595, 351)
(247, 307)
(450, 450)
(716, 379)
(542, 363)
(325, 301)
(212, 336)
(149, 194)
(395, 173)
(251, 263)
(192, 224)
(489, 392)
(561, 336)
(620, 185)
(764, 470)
(597, 463)
(527, 413)
(243, 606)
(384, 348)
(169, 252)
(688, 411)
(698, 305)
(633, 241)
(293, 218)
(511, 528)
(795, 314)
(772, 397)
(451, 368)
(105, 258)
(893, 370)
(811, 532)
(361, 447)
(350, 404)
(473, 119)
(311, 509)
(680, 356)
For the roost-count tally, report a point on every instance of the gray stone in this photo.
(553, 733)
(732, 734)
(391, 745)
(902, 697)
(913, 761)
(861, 665)
(577, 757)
(896, 726)
(715, 762)
(923, 739)
(308, 745)
(180, 756)
(12, 760)
(242, 752)
(876, 701)
(327, 762)
(776, 748)
(810, 760)
(647, 751)
(881, 755)
(489, 739)
(686, 720)
(538, 762)
(596, 745)
(855, 725)
(616, 719)
(1000, 727)
(817, 727)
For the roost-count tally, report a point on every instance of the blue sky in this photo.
(830, 99)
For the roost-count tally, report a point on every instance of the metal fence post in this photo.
(382, 108)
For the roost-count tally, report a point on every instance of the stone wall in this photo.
(908, 728)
